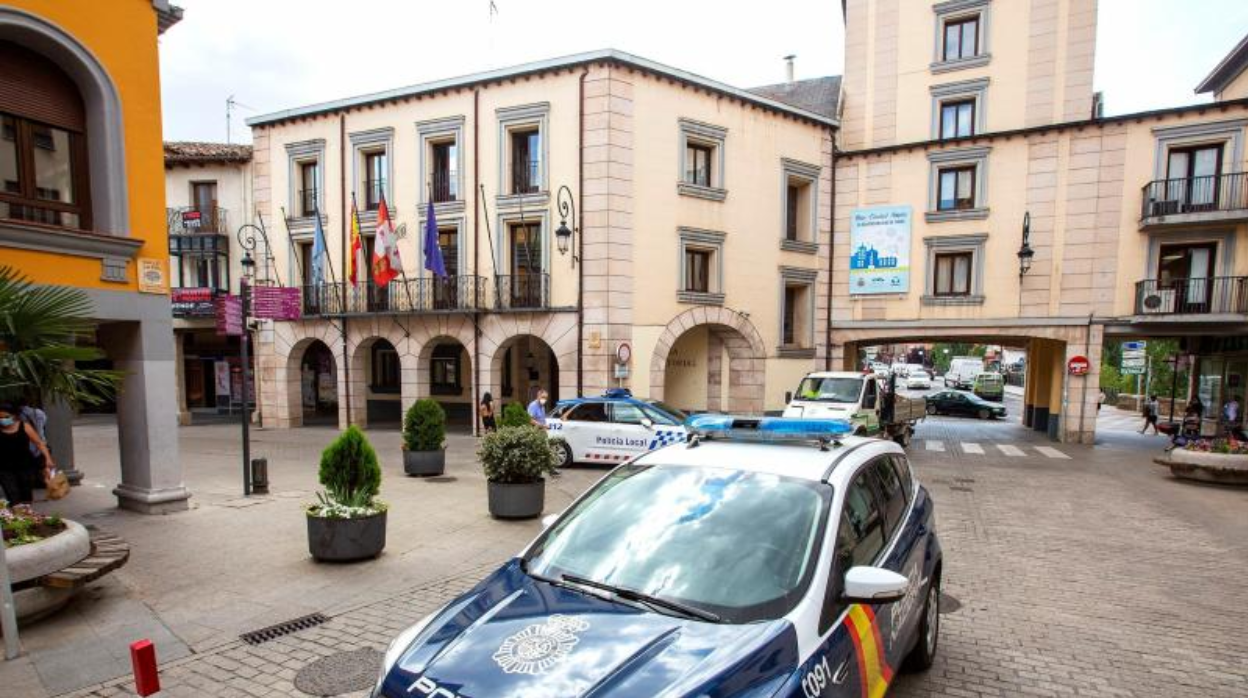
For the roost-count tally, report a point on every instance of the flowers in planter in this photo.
(516, 455)
(351, 477)
(1226, 446)
(21, 525)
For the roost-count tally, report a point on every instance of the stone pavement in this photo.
(1095, 574)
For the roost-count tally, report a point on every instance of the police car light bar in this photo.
(766, 429)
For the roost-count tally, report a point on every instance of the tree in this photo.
(43, 332)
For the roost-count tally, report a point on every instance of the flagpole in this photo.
(485, 207)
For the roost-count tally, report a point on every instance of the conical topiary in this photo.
(349, 470)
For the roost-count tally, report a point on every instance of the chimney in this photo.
(788, 68)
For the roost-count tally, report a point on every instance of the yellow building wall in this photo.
(1235, 89)
(122, 36)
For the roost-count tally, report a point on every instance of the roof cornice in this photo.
(1227, 69)
(537, 67)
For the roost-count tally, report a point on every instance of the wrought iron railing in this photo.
(452, 293)
(522, 291)
(445, 186)
(1202, 296)
(307, 202)
(1213, 193)
(194, 220)
(526, 176)
(374, 189)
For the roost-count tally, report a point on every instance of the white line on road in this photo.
(1011, 450)
(972, 447)
(935, 445)
(1052, 452)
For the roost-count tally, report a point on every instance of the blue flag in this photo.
(433, 254)
(318, 251)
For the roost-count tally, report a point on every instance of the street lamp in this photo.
(256, 481)
(1025, 253)
(563, 234)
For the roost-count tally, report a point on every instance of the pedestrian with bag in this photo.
(16, 461)
(1151, 410)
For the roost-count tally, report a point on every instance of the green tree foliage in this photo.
(514, 415)
(943, 353)
(43, 332)
(516, 455)
(1159, 380)
(349, 469)
(424, 426)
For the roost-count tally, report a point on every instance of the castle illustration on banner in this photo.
(868, 258)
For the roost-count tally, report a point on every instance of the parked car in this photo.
(760, 563)
(962, 371)
(958, 403)
(990, 386)
(611, 428)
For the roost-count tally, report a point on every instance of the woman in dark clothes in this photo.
(16, 461)
(486, 410)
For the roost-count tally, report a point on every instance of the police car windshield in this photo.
(680, 416)
(738, 544)
(841, 389)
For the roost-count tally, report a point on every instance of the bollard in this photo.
(260, 475)
(143, 659)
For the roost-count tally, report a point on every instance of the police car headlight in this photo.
(397, 647)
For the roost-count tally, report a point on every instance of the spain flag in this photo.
(873, 666)
(357, 247)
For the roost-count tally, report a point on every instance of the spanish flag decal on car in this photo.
(872, 664)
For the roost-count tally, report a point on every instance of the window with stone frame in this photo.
(953, 273)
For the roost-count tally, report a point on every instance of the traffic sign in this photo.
(1078, 366)
(1134, 346)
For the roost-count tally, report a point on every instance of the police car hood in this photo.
(516, 637)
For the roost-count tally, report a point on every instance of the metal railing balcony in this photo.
(1201, 296)
(444, 186)
(428, 294)
(522, 291)
(526, 176)
(1189, 199)
(194, 220)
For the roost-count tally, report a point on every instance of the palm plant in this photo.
(40, 332)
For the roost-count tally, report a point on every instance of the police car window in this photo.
(863, 536)
(659, 417)
(740, 544)
(893, 497)
(626, 413)
(587, 412)
(903, 472)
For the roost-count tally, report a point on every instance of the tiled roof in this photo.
(818, 95)
(188, 152)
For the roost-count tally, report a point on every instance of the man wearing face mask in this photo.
(537, 409)
(16, 461)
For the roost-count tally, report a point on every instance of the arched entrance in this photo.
(445, 368)
(318, 385)
(376, 384)
(521, 365)
(709, 359)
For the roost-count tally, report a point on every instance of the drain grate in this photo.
(263, 635)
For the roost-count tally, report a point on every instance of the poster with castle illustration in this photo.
(879, 244)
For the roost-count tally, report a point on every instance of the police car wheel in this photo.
(565, 454)
(924, 652)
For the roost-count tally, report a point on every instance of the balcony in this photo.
(424, 295)
(526, 176)
(1212, 295)
(1195, 200)
(192, 220)
(522, 292)
(444, 186)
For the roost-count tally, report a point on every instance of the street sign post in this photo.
(1134, 360)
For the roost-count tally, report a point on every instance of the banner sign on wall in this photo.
(229, 316)
(879, 241)
(276, 302)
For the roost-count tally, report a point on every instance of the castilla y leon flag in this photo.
(386, 262)
(357, 247)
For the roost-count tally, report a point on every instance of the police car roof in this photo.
(797, 459)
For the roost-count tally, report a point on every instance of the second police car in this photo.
(777, 558)
(612, 428)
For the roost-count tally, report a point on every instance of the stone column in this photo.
(60, 433)
(151, 473)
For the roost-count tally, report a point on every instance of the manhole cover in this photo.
(948, 604)
(345, 672)
(440, 478)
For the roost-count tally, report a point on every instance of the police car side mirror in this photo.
(549, 519)
(647, 422)
(874, 585)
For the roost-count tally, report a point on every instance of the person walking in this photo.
(1151, 410)
(38, 419)
(1230, 415)
(537, 409)
(16, 462)
(486, 412)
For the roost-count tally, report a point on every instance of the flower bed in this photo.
(22, 525)
(1227, 447)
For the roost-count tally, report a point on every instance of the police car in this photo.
(765, 557)
(611, 428)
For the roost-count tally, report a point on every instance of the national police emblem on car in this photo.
(540, 646)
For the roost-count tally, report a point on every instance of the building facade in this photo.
(1031, 220)
(208, 199)
(698, 216)
(82, 205)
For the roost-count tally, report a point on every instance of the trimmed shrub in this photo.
(424, 426)
(349, 470)
(514, 415)
(516, 455)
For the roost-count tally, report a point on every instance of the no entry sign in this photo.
(1078, 366)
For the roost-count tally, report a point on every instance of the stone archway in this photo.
(316, 380)
(369, 399)
(728, 332)
(444, 372)
(279, 354)
(555, 331)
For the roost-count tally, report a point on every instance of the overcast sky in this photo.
(277, 54)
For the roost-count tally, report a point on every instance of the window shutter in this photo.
(35, 88)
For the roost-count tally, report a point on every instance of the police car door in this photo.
(630, 436)
(905, 553)
(585, 427)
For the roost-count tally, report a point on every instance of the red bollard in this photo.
(146, 676)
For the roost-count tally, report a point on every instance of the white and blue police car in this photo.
(612, 428)
(765, 557)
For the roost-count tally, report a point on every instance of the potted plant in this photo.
(515, 459)
(348, 522)
(514, 415)
(424, 435)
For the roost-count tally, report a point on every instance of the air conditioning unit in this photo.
(1163, 208)
(1158, 302)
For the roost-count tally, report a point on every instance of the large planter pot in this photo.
(517, 501)
(49, 555)
(345, 540)
(1217, 468)
(424, 463)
